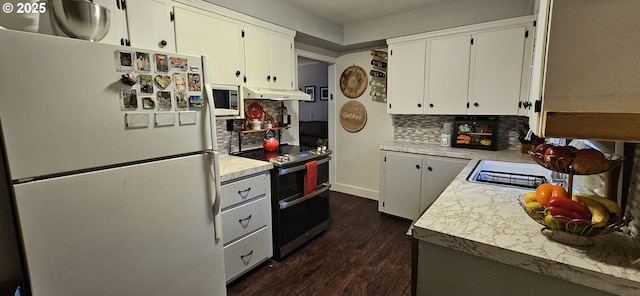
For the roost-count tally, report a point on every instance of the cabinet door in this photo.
(496, 71)
(150, 25)
(117, 34)
(219, 38)
(437, 174)
(281, 57)
(403, 174)
(257, 51)
(407, 77)
(269, 58)
(449, 75)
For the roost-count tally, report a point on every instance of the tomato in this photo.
(559, 191)
(543, 193)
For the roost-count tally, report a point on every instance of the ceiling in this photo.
(351, 11)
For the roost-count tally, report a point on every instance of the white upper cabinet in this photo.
(407, 76)
(477, 70)
(496, 71)
(202, 33)
(140, 23)
(118, 33)
(149, 23)
(281, 61)
(269, 58)
(449, 79)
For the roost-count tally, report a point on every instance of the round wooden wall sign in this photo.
(353, 116)
(353, 81)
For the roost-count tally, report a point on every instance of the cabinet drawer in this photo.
(242, 255)
(244, 219)
(243, 190)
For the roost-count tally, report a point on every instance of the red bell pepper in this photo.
(567, 210)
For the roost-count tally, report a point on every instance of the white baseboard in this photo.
(357, 191)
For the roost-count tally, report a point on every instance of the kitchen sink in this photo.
(510, 174)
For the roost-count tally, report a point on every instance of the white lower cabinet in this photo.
(410, 183)
(244, 220)
(246, 223)
(241, 255)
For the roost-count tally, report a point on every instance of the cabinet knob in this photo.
(274, 78)
(268, 77)
(419, 105)
(237, 73)
(430, 169)
(476, 104)
(417, 166)
(163, 43)
(431, 105)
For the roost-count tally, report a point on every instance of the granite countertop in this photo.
(233, 167)
(487, 221)
(437, 150)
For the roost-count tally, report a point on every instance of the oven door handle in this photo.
(294, 200)
(294, 169)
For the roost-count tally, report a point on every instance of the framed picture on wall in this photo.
(311, 90)
(324, 93)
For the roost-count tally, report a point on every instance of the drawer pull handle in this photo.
(245, 219)
(246, 192)
(242, 257)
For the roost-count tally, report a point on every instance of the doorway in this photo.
(313, 77)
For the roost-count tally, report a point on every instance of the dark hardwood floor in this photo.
(363, 253)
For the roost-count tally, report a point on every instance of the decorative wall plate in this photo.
(255, 111)
(353, 81)
(353, 116)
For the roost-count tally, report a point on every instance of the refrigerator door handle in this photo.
(215, 198)
(213, 153)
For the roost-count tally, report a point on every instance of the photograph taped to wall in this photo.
(148, 103)
(146, 83)
(181, 101)
(164, 100)
(129, 99)
(162, 63)
(124, 61)
(142, 61)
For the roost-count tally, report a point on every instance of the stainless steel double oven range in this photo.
(297, 218)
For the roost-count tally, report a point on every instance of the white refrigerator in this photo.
(113, 178)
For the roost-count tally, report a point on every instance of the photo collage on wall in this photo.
(159, 81)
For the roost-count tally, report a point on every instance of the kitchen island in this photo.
(475, 239)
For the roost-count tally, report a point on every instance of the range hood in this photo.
(257, 93)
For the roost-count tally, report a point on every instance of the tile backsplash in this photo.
(427, 128)
(228, 141)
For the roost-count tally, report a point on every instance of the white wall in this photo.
(356, 155)
(313, 74)
(287, 15)
(432, 17)
(443, 15)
